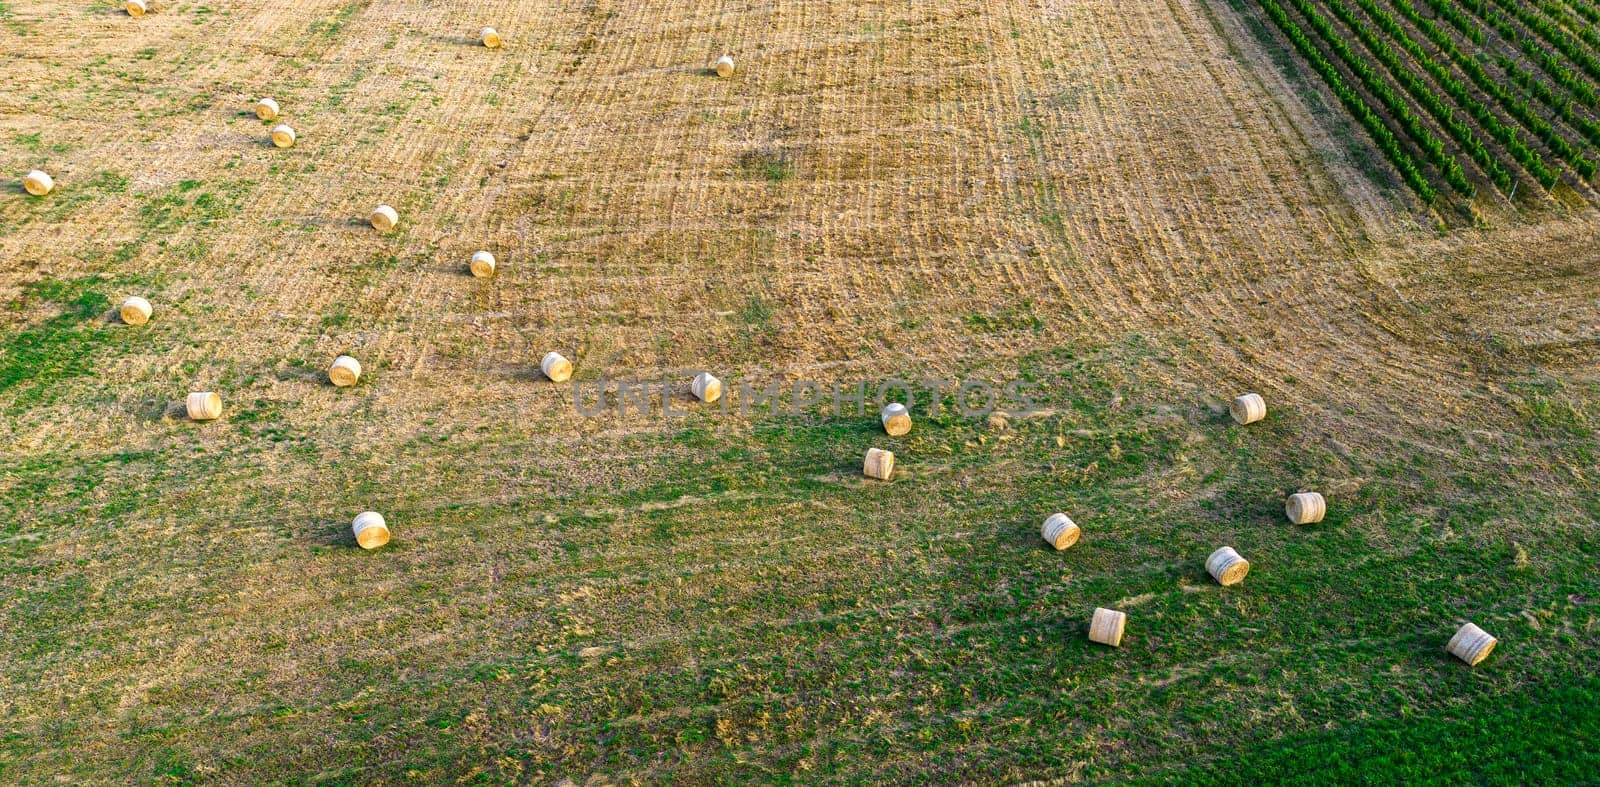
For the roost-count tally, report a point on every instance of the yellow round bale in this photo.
(283, 136)
(489, 37)
(267, 109)
(1305, 508)
(384, 218)
(556, 367)
(370, 529)
(38, 183)
(1248, 408)
(345, 371)
(1060, 531)
(1471, 644)
(706, 387)
(725, 66)
(896, 419)
(1227, 567)
(136, 7)
(879, 464)
(1107, 626)
(203, 406)
(135, 310)
(482, 264)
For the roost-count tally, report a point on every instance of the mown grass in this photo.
(741, 606)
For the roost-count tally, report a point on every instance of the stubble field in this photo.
(1141, 207)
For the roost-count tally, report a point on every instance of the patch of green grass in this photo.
(774, 166)
(182, 207)
(60, 347)
(329, 27)
(756, 312)
(1548, 734)
(1018, 317)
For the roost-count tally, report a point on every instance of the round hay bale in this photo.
(706, 387)
(896, 419)
(1306, 508)
(1107, 626)
(1471, 644)
(203, 406)
(345, 371)
(1227, 567)
(482, 264)
(556, 367)
(283, 136)
(370, 529)
(384, 218)
(267, 109)
(38, 183)
(1060, 531)
(135, 310)
(725, 66)
(135, 7)
(879, 464)
(1248, 408)
(489, 37)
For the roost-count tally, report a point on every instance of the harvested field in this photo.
(1142, 208)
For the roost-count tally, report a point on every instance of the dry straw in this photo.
(135, 311)
(1305, 508)
(556, 367)
(725, 66)
(135, 7)
(370, 529)
(345, 371)
(706, 387)
(896, 419)
(490, 38)
(283, 136)
(1249, 408)
(482, 264)
(1060, 531)
(38, 183)
(1471, 644)
(384, 218)
(1227, 567)
(879, 464)
(1107, 626)
(267, 109)
(203, 406)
